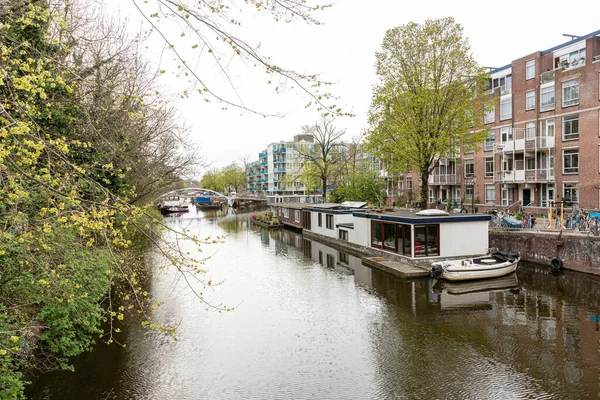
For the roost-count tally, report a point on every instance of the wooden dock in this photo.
(403, 270)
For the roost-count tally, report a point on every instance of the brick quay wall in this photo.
(578, 252)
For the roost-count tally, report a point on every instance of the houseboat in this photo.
(207, 203)
(288, 213)
(401, 234)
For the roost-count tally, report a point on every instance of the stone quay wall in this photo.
(578, 252)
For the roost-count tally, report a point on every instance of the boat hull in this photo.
(468, 275)
(490, 266)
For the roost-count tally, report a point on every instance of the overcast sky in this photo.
(343, 50)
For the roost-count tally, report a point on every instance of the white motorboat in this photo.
(493, 265)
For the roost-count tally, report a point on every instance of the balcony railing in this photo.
(524, 176)
(505, 89)
(547, 76)
(449, 179)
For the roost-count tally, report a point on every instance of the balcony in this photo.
(539, 143)
(506, 89)
(525, 176)
(547, 76)
(448, 179)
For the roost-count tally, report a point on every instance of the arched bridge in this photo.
(189, 194)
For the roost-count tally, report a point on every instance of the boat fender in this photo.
(556, 263)
(436, 271)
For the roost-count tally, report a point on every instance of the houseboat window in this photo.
(427, 240)
(376, 234)
(343, 235)
(389, 235)
(329, 221)
(406, 239)
(320, 219)
(433, 240)
(296, 216)
(286, 212)
(306, 220)
(420, 241)
(344, 258)
(320, 257)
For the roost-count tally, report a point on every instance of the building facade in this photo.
(543, 141)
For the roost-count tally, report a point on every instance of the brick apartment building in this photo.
(543, 136)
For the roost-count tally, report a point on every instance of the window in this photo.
(376, 234)
(389, 236)
(547, 128)
(286, 212)
(530, 69)
(530, 100)
(490, 116)
(469, 168)
(547, 98)
(506, 108)
(570, 161)
(469, 192)
(530, 163)
(427, 240)
(530, 130)
(570, 194)
(409, 185)
(489, 141)
(571, 93)
(320, 220)
(297, 216)
(321, 257)
(489, 167)
(329, 221)
(343, 235)
(469, 148)
(490, 194)
(506, 134)
(571, 127)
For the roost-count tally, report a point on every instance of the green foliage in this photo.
(363, 186)
(428, 101)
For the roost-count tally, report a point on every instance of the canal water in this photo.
(313, 323)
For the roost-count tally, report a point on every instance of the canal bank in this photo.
(577, 251)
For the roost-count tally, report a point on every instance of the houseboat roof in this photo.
(354, 204)
(411, 217)
(293, 205)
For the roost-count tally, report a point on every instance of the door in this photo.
(526, 197)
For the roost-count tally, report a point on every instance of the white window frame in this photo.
(490, 116)
(572, 89)
(489, 200)
(485, 163)
(544, 92)
(530, 69)
(506, 108)
(471, 162)
(568, 121)
(571, 151)
(506, 134)
(527, 161)
(570, 185)
(409, 183)
(530, 130)
(530, 100)
(490, 140)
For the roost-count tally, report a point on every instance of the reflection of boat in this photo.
(489, 266)
(486, 285)
(166, 210)
(206, 203)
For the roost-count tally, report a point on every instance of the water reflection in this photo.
(315, 323)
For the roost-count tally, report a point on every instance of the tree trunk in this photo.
(424, 188)
(324, 183)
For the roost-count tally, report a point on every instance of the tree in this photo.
(363, 186)
(328, 154)
(234, 177)
(427, 101)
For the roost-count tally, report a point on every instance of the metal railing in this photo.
(547, 76)
(448, 179)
